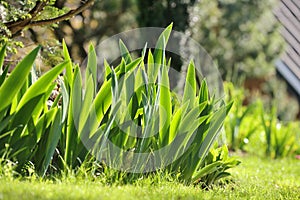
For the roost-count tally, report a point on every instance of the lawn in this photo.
(255, 178)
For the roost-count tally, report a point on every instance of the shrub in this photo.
(161, 135)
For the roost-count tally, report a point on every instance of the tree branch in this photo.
(20, 24)
(17, 26)
(66, 16)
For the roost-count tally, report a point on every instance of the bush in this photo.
(85, 122)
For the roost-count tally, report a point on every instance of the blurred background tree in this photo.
(160, 13)
(25, 23)
(241, 35)
(243, 38)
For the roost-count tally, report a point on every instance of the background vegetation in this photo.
(242, 36)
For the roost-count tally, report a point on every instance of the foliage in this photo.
(253, 127)
(33, 133)
(215, 166)
(242, 36)
(238, 131)
(116, 102)
(29, 129)
(281, 138)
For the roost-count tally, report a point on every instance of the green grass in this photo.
(255, 178)
(263, 178)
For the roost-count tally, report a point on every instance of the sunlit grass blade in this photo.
(160, 45)
(165, 107)
(69, 74)
(107, 69)
(190, 85)
(158, 55)
(203, 92)
(65, 100)
(139, 84)
(91, 66)
(150, 67)
(124, 52)
(72, 135)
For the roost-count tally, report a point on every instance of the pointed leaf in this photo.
(91, 65)
(42, 84)
(190, 85)
(165, 107)
(124, 52)
(15, 81)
